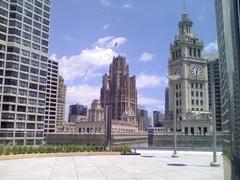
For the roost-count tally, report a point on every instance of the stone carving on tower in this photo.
(191, 89)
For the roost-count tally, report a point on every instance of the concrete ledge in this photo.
(42, 155)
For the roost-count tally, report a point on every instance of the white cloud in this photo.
(106, 3)
(106, 26)
(211, 47)
(67, 37)
(89, 60)
(83, 94)
(127, 6)
(151, 103)
(53, 56)
(145, 57)
(86, 64)
(110, 41)
(150, 81)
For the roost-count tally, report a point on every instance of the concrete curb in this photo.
(45, 155)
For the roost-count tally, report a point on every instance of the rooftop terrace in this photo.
(152, 164)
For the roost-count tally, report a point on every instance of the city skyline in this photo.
(147, 51)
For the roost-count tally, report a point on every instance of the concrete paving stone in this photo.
(115, 167)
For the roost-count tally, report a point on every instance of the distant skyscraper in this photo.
(77, 111)
(190, 92)
(24, 37)
(143, 116)
(119, 92)
(228, 28)
(158, 118)
(213, 66)
(51, 97)
(61, 104)
(166, 100)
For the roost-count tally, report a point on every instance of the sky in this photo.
(84, 32)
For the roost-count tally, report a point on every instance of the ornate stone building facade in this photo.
(95, 122)
(119, 92)
(190, 91)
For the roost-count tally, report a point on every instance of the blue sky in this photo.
(83, 34)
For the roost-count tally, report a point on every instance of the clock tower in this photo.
(190, 90)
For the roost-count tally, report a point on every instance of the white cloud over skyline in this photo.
(211, 47)
(86, 64)
(106, 26)
(127, 6)
(151, 81)
(110, 41)
(145, 57)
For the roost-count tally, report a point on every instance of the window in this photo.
(192, 93)
(24, 60)
(16, 16)
(32, 109)
(190, 51)
(197, 102)
(32, 101)
(192, 101)
(12, 65)
(35, 56)
(24, 68)
(34, 71)
(27, 28)
(3, 4)
(27, 35)
(26, 43)
(10, 90)
(201, 94)
(201, 102)
(27, 21)
(34, 78)
(25, 53)
(33, 86)
(14, 39)
(13, 49)
(32, 93)
(16, 8)
(196, 85)
(196, 93)
(28, 13)
(23, 84)
(22, 92)
(23, 76)
(11, 73)
(11, 82)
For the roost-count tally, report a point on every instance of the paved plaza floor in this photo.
(151, 165)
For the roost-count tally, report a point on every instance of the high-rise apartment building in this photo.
(228, 29)
(119, 92)
(24, 37)
(214, 76)
(77, 112)
(188, 95)
(158, 119)
(51, 97)
(142, 115)
(61, 104)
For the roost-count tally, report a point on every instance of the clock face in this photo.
(175, 71)
(196, 71)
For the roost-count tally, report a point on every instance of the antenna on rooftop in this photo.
(184, 6)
